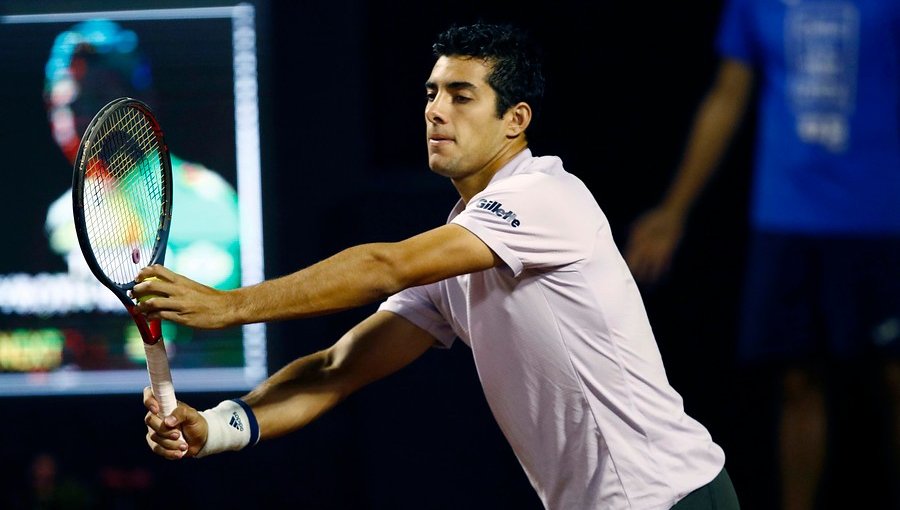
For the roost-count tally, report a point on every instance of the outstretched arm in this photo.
(303, 390)
(351, 278)
(655, 235)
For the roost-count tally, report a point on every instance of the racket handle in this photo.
(160, 376)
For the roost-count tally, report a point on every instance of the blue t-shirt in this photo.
(828, 141)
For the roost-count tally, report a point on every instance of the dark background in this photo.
(344, 163)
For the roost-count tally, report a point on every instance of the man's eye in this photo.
(429, 96)
(462, 99)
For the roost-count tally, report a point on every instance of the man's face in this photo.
(463, 133)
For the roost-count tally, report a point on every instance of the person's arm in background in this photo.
(304, 389)
(656, 234)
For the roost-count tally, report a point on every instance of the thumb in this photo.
(180, 416)
(190, 423)
(171, 421)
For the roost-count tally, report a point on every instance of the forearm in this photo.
(295, 395)
(308, 387)
(715, 124)
(354, 277)
(712, 131)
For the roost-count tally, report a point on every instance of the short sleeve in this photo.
(534, 220)
(735, 37)
(415, 305)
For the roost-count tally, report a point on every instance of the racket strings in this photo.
(112, 202)
(127, 141)
(123, 203)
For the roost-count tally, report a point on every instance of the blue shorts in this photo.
(820, 298)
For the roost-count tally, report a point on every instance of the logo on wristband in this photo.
(236, 421)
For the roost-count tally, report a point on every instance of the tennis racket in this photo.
(122, 200)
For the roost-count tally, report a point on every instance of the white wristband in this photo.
(231, 425)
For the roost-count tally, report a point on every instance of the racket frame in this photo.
(151, 331)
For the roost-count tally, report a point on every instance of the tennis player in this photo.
(525, 272)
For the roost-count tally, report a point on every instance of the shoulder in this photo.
(539, 192)
(539, 176)
(551, 166)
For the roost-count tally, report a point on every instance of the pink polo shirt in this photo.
(564, 348)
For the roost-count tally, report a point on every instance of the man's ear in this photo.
(518, 117)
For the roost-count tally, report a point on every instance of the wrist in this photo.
(239, 314)
(675, 208)
(231, 426)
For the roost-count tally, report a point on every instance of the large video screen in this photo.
(60, 330)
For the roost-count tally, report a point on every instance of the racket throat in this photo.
(151, 330)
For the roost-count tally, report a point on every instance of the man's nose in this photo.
(434, 112)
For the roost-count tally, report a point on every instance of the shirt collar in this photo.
(507, 170)
(511, 166)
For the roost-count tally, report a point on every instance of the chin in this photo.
(439, 167)
(440, 171)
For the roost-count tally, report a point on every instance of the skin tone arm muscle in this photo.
(354, 277)
(717, 121)
(306, 388)
(655, 235)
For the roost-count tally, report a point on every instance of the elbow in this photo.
(391, 273)
(339, 375)
(333, 376)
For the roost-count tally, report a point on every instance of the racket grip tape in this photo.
(160, 377)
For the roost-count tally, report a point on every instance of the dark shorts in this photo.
(818, 298)
(718, 494)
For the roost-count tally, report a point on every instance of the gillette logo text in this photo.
(498, 210)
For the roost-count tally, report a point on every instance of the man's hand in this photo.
(179, 299)
(655, 235)
(181, 434)
(652, 243)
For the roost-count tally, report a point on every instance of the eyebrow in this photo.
(453, 85)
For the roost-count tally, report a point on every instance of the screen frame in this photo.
(249, 188)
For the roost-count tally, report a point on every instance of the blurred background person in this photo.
(821, 299)
(90, 64)
(48, 487)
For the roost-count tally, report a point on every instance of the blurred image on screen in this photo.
(61, 331)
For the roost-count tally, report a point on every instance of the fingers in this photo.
(162, 297)
(163, 308)
(652, 243)
(644, 258)
(163, 434)
(159, 423)
(639, 255)
(152, 286)
(645, 267)
(150, 401)
(163, 425)
(164, 288)
(166, 444)
(166, 315)
(164, 428)
(179, 299)
(157, 271)
(651, 269)
(648, 261)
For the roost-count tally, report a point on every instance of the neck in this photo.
(474, 183)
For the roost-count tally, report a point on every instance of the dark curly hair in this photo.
(516, 74)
